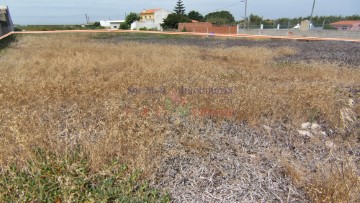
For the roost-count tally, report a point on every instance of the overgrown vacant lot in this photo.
(288, 131)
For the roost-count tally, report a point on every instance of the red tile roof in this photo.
(149, 11)
(347, 22)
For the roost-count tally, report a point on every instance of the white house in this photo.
(151, 19)
(111, 24)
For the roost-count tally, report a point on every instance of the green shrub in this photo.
(17, 28)
(124, 26)
(153, 29)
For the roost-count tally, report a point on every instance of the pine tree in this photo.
(179, 8)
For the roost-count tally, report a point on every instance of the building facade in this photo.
(347, 25)
(6, 24)
(111, 24)
(151, 19)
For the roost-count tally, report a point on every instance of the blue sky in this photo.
(73, 11)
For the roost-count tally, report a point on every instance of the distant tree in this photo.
(220, 17)
(172, 21)
(194, 15)
(131, 17)
(353, 17)
(179, 8)
(255, 19)
(283, 21)
(96, 24)
(17, 28)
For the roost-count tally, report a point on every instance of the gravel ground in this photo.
(227, 162)
(344, 53)
(234, 165)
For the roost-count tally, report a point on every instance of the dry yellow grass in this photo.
(341, 184)
(58, 91)
(334, 182)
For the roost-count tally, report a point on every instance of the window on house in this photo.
(115, 26)
(344, 28)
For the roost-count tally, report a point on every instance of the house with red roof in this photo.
(347, 25)
(151, 19)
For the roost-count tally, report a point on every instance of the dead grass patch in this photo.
(61, 91)
(340, 183)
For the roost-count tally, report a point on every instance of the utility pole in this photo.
(312, 12)
(245, 18)
(87, 19)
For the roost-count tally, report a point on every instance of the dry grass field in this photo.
(121, 101)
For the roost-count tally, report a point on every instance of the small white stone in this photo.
(330, 144)
(267, 128)
(305, 133)
(315, 127)
(305, 125)
(351, 102)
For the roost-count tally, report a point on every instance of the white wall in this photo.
(114, 26)
(159, 16)
(111, 23)
(105, 23)
(149, 24)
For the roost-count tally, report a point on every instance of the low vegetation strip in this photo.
(194, 34)
(293, 129)
(50, 178)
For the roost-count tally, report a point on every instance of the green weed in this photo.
(49, 178)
